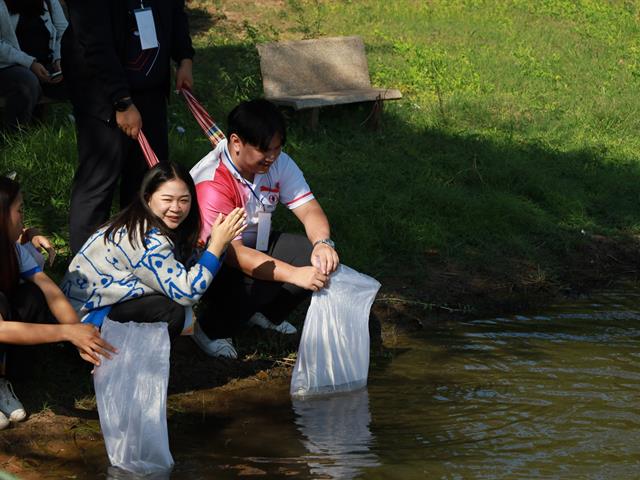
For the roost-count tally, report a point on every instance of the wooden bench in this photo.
(310, 74)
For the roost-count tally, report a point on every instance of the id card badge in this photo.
(146, 28)
(264, 230)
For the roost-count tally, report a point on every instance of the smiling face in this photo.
(171, 202)
(251, 160)
(16, 215)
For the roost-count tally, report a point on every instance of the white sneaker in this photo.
(220, 347)
(261, 321)
(4, 421)
(9, 403)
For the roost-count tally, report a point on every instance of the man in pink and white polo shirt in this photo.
(266, 274)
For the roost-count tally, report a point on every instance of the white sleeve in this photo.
(294, 190)
(9, 54)
(60, 24)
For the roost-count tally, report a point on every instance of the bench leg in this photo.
(375, 117)
(314, 118)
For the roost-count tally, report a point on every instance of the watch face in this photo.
(329, 242)
(122, 105)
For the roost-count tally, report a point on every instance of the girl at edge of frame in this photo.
(28, 298)
(135, 267)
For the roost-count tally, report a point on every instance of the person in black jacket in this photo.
(118, 88)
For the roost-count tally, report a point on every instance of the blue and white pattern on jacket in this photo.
(103, 274)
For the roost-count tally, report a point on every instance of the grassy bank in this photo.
(515, 140)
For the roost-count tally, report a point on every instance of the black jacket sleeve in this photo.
(180, 40)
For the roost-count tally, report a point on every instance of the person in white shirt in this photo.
(30, 64)
(266, 274)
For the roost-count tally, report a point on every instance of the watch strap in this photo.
(326, 241)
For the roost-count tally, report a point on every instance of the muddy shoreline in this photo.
(62, 435)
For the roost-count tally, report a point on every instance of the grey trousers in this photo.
(233, 297)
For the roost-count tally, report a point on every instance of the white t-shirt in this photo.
(221, 188)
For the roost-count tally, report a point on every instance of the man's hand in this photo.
(325, 258)
(309, 278)
(40, 71)
(184, 74)
(129, 121)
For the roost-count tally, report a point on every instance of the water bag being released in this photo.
(334, 348)
(131, 392)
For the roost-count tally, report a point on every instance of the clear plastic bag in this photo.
(131, 392)
(334, 348)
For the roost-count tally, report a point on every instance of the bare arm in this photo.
(84, 336)
(317, 228)
(56, 300)
(259, 265)
(21, 333)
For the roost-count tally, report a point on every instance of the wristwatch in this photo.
(122, 104)
(326, 241)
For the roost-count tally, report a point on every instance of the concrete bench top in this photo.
(319, 72)
(317, 100)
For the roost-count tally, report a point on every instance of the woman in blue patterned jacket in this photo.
(135, 267)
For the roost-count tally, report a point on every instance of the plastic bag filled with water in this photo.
(131, 393)
(334, 348)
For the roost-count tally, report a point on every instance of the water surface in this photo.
(547, 395)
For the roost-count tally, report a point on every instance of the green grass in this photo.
(517, 131)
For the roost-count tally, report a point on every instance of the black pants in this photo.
(106, 155)
(151, 309)
(234, 297)
(27, 304)
(21, 89)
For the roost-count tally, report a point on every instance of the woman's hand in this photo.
(223, 231)
(87, 338)
(42, 243)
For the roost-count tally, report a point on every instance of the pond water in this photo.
(552, 395)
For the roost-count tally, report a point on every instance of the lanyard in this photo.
(244, 180)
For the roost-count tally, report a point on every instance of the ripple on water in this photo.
(520, 397)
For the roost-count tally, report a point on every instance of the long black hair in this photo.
(9, 271)
(138, 219)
